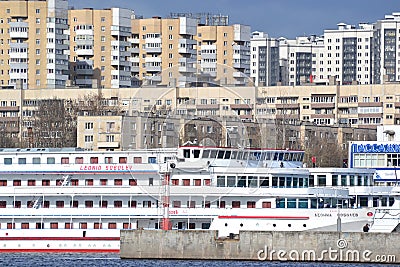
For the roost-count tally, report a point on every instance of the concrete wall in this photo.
(261, 246)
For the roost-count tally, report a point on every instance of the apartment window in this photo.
(170, 28)
(37, 20)
(170, 37)
(37, 11)
(103, 38)
(103, 28)
(103, 19)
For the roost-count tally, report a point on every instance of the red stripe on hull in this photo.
(60, 250)
(62, 238)
(265, 217)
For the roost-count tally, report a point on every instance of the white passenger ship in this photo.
(70, 200)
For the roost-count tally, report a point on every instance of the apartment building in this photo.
(348, 54)
(33, 44)
(300, 59)
(386, 46)
(224, 53)
(164, 51)
(264, 61)
(100, 48)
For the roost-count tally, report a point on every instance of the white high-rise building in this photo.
(348, 54)
(386, 47)
(264, 59)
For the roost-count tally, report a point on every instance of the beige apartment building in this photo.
(163, 51)
(100, 48)
(224, 54)
(33, 44)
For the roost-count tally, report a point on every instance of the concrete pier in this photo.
(261, 246)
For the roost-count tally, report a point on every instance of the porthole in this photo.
(304, 225)
(226, 224)
(274, 225)
(241, 225)
(289, 225)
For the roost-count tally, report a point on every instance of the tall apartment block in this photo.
(264, 61)
(348, 54)
(386, 46)
(33, 44)
(164, 51)
(100, 47)
(224, 53)
(300, 59)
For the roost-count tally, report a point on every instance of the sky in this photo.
(278, 18)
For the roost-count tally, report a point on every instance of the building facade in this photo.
(34, 44)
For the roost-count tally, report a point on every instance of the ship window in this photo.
(274, 181)
(132, 182)
(51, 160)
(10, 225)
(17, 204)
(46, 204)
(3, 204)
(213, 154)
(391, 201)
(288, 182)
(103, 204)
(227, 155)
(221, 154)
(281, 182)
(196, 153)
(74, 204)
(205, 226)
(192, 225)
(108, 160)
(186, 153)
(220, 181)
(268, 155)
(280, 203)
(3, 182)
(112, 225)
(53, 225)
(233, 154)
(89, 182)
(24, 225)
(79, 160)
(264, 182)
(118, 182)
(251, 204)
(97, 225)
(275, 155)
(31, 182)
(88, 204)
(384, 201)
(132, 204)
(197, 182)
(117, 204)
(266, 204)
(245, 155)
(221, 204)
(152, 160)
(252, 181)
(291, 203)
(83, 225)
(7, 161)
(137, 160)
(206, 204)
(303, 203)
(126, 226)
(295, 182)
(335, 180)
(186, 182)
(231, 181)
(59, 204)
(45, 182)
(74, 182)
(123, 160)
(21, 160)
(321, 180)
(207, 182)
(363, 202)
(36, 160)
(151, 181)
(68, 225)
(39, 225)
(147, 204)
(103, 181)
(344, 180)
(64, 160)
(235, 204)
(176, 204)
(191, 204)
(241, 181)
(174, 181)
(206, 154)
(94, 160)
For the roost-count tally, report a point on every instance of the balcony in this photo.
(18, 30)
(84, 52)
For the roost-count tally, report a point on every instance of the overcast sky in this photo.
(278, 18)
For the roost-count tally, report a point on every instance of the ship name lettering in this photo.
(90, 168)
(323, 215)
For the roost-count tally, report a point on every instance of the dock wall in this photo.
(261, 246)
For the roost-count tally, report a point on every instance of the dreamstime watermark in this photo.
(330, 254)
